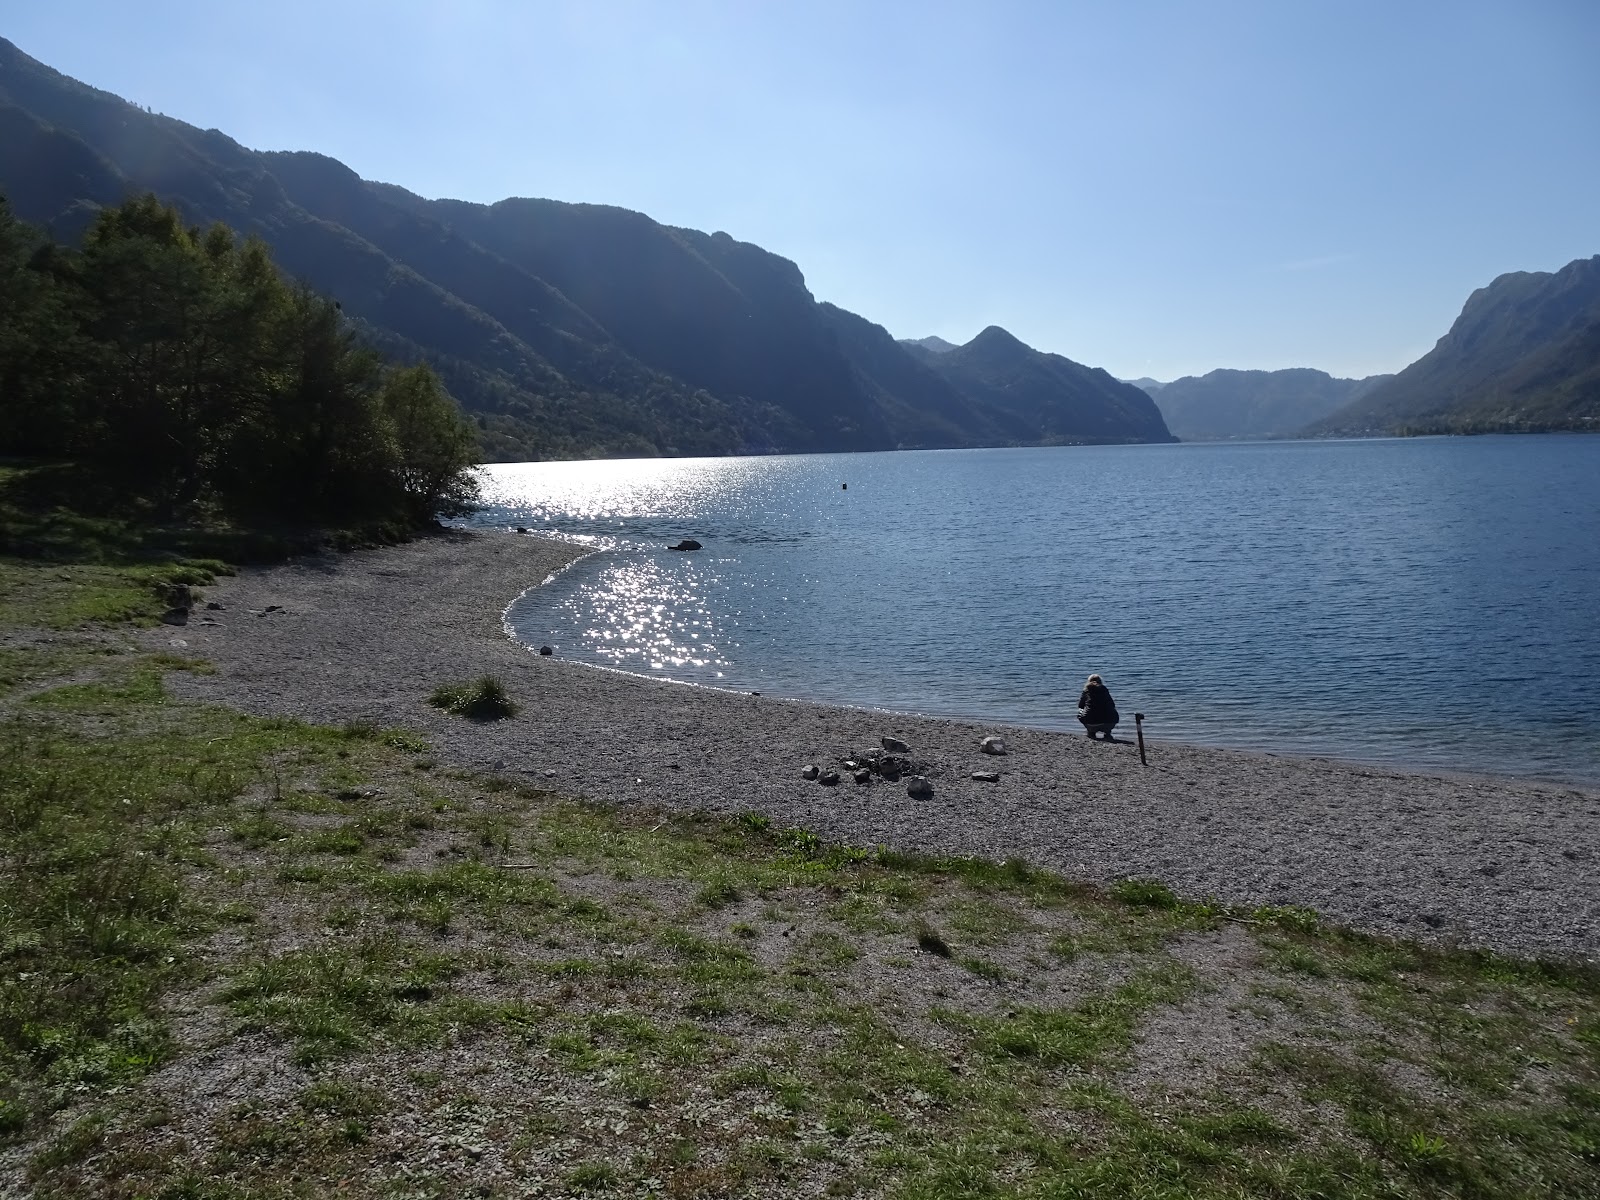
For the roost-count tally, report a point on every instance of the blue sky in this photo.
(1158, 188)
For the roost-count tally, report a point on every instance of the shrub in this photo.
(484, 699)
(929, 941)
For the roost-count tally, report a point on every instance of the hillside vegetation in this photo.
(1523, 356)
(565, 330)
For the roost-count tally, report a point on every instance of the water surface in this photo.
(1427, 602)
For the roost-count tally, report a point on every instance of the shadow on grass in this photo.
(58, 512)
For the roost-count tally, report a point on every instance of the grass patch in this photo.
(569, 991)
(1089, 1032)
(483, 699)
(334, 1000)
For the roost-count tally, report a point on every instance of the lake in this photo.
(1427, 602)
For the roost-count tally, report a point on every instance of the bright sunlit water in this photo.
(1426, 602)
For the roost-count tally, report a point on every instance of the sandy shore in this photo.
(1483, 861)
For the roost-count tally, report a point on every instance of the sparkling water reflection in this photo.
(1429, 602)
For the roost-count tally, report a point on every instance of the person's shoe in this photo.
(1090, 735)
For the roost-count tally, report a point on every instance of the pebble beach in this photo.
(1497, 863)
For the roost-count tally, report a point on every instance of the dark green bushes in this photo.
(179, 374)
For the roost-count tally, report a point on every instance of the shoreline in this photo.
(1417, 758)
(1501, 863)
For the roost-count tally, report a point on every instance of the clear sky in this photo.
(1158, 188)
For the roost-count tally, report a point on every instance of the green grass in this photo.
(340, 998)
(596, 998)
(1092, 1031)
(484, 699)
(73, 596)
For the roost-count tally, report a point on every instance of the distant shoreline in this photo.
(1174, 441)
(1500, 863)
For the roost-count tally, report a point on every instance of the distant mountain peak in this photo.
(1145, 384)
(933, 343)
(994, 336)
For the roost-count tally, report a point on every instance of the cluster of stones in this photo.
(891, 763)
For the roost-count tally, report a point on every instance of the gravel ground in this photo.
(1476, 860)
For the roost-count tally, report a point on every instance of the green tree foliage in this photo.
(428, 441)
(186, 376)
(36, 338)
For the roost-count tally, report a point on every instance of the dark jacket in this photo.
(1096, 707)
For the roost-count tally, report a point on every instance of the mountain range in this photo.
(1523, 356)
(564, 330)
(569, 330)
(1252, 404)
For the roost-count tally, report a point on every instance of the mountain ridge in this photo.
(564, 330)
(1251, 404)
(1523, 356)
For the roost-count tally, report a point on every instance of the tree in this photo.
(433, 445)
(184, 373)
(37, 337)
(161, 367)
(313, 450)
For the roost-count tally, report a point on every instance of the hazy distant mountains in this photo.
(1253, 404)
(1524, 355)
(564, 329)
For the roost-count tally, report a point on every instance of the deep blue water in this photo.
(1428, 602)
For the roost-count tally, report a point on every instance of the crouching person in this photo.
(1097, 710)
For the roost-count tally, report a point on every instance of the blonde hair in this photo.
(1094, 679)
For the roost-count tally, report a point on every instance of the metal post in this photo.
(1138, 725)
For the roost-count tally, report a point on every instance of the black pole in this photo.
(1138, 725)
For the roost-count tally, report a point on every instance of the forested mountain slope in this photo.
(563, 329)
(1524, 355)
